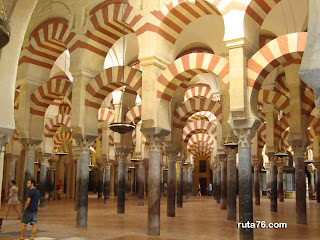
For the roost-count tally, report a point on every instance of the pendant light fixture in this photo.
(4, 26)
(120, 126)
(230, 143)
(280, 154)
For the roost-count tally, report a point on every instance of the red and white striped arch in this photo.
(54, 123)
(109, 80)
(201, 126)
(106, 26)
(134, 114)
(275, 98)
(185, 68)
(106, 114)
(283, 50)
(209, 116)
(57, 86)
(193, 105)
(16, 98)
(198, 90)
(201, 137)
(60, 138)
(48, 41)
(258, 10)
(64, 108)
(307, 100)
(175, 16)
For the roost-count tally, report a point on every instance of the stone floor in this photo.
(199, 219)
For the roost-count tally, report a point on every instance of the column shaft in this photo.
(100, 182)
(218, 185)
(51, 180)
(179, 185)
(223, 194)
(257, 184)
(171, 199)
(154, 186)
(301, 207)
(245, 191)
(185, 184)
(318, 184)
(281, 197)
(274, 185)
(82, 183)
(121, 195)
(42, 183)
(106, 185)
(28, 171)
(141, 177)
(231, 185)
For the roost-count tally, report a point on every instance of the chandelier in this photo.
(119, 126)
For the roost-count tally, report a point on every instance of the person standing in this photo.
(59, 188)
(30, 210)
(199, 191)
(13, 199)
(210, 190)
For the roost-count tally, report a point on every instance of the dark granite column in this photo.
(218, 183)
(115, 179)
(141, 177)
(121, 154)
(179, 184)
(147, 178)
(280, 172)
(100, 182)
(301, 207)
(185, 182)
(83, 182)
(51, 178)
(317, 165)
(213, 180)
(190, 178)
(172, 154)
(106, 184)
(43, 180)
(154, 184)
(75, 160)
(256, 167)
(223, 194)
(231, 184)
(245, 181)
(28, 171)
(273, 182)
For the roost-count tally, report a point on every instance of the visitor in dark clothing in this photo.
(30, 210)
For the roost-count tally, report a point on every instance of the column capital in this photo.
(84, 145)
(299, 148)
(172, 152)
(272, 158)
(231, 151)
(30, 150)
(280, 168)
(244, 135)
(141, 164)
(45, 160)
(53, 162)
(122, 153)
(14, 159)
(256, 166)
(3, 141)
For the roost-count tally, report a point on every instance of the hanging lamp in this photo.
(231, 144)
(280, 154)
(119, 126)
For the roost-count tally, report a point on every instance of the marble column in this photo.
(51, 178)
(161, 181)
(116, 179)
(218, 183)
(213, 169)
(273, 182)
(172, 154)
(223, 194)
(75, 160)
(100, 182)
(147, 178)
(190, 178)
(121, 154)
(300, 180)
(245, 181)
(154, 184)
(106, 184)
(231, 184)
(12, 170)
(185, 182)
(179, 184)
(83, 181)
(141, 177)
(28, 170)
(257, 168)
(317, 165)
(311, 171)
(280, 184)
(43, 180)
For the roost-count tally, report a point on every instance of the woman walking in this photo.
(13, 199)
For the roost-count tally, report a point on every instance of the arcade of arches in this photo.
(190, 75)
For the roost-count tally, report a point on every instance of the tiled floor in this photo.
(198, 219)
